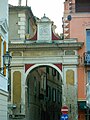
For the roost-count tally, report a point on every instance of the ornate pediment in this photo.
(3, 25)
(44, 30)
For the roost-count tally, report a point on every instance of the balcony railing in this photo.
(78, 8)
(87, 58)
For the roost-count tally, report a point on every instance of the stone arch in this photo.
(54, 93)
(38, 65)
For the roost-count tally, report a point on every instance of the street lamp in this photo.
(6, 60)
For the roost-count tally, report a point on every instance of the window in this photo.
(53, 72)
(88, 40)
(49, 93)
(43, 82)
(53, 94)
(82, 5)
(0, 49)
(47, 70)
(35, 86)
(88, 76)
(59, 94)
(4, 46)
(58, 75)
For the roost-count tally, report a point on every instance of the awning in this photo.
(82, 105)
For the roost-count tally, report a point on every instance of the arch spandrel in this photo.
(29, 67)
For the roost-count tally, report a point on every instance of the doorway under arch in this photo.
(43, 97)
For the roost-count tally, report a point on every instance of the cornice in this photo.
(32, 46)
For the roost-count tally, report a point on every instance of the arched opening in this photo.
(44, 93)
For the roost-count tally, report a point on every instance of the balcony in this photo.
(79, 7)
(82, 6)
(87, 58)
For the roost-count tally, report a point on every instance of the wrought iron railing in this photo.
(74, 8)
(87, 58)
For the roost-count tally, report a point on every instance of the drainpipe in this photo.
(26, 2)
(19, 2)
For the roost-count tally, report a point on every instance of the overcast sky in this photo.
(53, 9)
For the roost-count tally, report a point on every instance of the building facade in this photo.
(44, 69)
(3, 49)
(76, 21)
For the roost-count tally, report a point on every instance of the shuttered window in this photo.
(0, 49)
(88, 40)
(82, 5)
(47, 70)
(53, 94)
(4, 71)
(49, 93)
(88, 77)
(53, 72)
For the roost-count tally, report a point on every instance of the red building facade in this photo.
(76, 24)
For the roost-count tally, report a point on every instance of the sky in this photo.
(53, 9)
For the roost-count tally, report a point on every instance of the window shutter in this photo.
(47, 70)
(88, 40)
(0, 49)
(49, 93)
(88, 76)
(53, 72)
(53, 94)
(4, 71)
